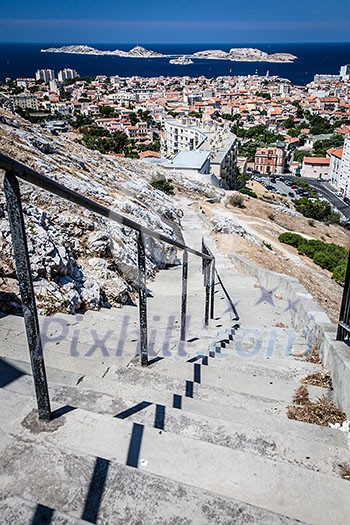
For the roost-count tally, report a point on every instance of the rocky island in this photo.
(244, 54)
(236, 54)
(135, 52)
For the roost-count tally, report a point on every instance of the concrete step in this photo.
(267, 386)
(205, 382)
(15, 510)
(142, 380)
(289, 490)
(266, 443)
(115, 333)
(287, 368)
(104, 396)
(106, 492)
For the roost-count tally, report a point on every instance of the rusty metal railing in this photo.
(14, 171)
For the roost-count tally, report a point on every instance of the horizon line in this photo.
(175, 43)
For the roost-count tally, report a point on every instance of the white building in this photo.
(25, 101)
(193, 164)
(335, 155)
(345, 71)
(66, 74)
(182, 135)
(344, 173)
(192, 135)
(316, 168)
(25, 82)
(45, 74)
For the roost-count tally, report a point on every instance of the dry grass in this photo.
(237, 200)
(301, 396)
(311, 357)
(322, 379)
(345, 471)
(318, 412)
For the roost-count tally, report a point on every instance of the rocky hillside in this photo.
(81, 261)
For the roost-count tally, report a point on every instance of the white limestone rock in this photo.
(230, 226)
(81, 260)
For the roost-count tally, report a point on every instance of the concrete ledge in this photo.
(311, 321)
(336, 357)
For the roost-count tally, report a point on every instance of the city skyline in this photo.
(156, 22)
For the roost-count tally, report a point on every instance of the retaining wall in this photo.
(310, 320)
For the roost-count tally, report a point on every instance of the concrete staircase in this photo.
(200, 436)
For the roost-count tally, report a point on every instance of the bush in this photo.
(316, 209)
(163, 185)
(329, 256)
(236, 200)
(249, 192)
(293, 239)
(339, 272)
(309, 248)
(267, 245)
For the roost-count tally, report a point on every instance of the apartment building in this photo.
(344, 172)
(269, 160)
(335, 156)
(188, 134)
(45, 74)
(25, 101)
(182, 135)
(67, 74)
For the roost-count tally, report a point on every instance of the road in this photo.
(328, 194)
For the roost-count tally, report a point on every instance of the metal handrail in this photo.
(343, 331)
(33, 177)
(14, 170)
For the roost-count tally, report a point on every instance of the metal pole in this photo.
(344, 316)
(20, 248)
(212, 289)
(184, 295)
(207, 291)
(142, 300)
(203, 260)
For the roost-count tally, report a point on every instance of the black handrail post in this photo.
(20, 248)
(212, 288)
(184, 295)
(207, 291)
(142, 299)
(344, 316)
(206, 266)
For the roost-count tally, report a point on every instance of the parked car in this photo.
(291, 194)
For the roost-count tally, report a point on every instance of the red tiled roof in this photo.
(321, 161)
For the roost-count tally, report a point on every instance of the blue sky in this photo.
(185, 21)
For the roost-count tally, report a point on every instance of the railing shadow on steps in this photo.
(14, 171)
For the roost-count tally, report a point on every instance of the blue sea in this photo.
(24, 59)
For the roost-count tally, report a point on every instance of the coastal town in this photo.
(213, 129)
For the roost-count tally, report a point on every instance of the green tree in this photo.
(107, 111)
(299, 155)
(321, 146)
(316, 209)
